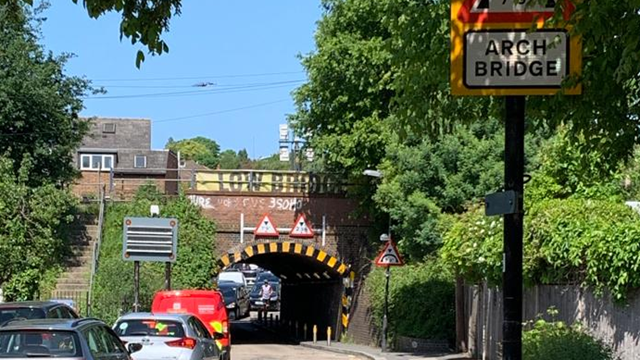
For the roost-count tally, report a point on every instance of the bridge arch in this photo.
(317, 287)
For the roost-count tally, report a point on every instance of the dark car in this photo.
(236, 299)
(35, 310)
(88, 339)
(256, 301)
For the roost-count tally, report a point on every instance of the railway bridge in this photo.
(309, 234)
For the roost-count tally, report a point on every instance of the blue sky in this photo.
(233, 44)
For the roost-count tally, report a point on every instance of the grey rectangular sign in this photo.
(150, 239)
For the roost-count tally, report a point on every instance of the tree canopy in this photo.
(200, 149)
(39, 103)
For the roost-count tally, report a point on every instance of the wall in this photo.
(618, 325)
(90, 183)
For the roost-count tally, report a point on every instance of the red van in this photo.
(207, 305)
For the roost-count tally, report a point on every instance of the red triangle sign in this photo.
(301, 228)
(509, 11)
(389, 256)
(266, 228)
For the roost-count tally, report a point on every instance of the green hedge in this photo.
(195, 266)
(421, 301)
(555, 340)
(568, 241)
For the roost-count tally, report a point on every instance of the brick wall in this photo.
(90, 183)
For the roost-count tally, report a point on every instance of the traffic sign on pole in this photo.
(494, 50)
(389, 256)
(301, 228)
(266, 228)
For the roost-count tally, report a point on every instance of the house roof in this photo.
(118, 133)
(157, 162)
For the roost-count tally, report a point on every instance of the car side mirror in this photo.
(218, 336)
(134, 347)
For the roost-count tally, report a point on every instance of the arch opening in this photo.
(315, 286)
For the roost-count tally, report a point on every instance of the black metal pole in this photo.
(136, 286)
(513, 229)
(167, 275)
(387, 275)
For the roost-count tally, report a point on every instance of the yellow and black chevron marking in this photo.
(285, 247)
(303, 250)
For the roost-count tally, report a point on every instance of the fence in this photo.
(617, 325)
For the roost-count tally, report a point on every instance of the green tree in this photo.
(33, 220)
(141, 20)
(200, 149)
(229, 160)
(39, 104)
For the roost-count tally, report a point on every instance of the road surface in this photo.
(250, 342)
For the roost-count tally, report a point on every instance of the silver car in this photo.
(167, 337)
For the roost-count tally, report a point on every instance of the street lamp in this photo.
(387, 274)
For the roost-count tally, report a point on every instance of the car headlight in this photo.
(231, 305)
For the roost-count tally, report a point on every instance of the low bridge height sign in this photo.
(507, 47)
(150, 239)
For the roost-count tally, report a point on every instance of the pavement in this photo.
(372, 353)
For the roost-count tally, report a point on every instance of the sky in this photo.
(244, 51)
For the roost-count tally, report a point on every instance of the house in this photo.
(116, 154)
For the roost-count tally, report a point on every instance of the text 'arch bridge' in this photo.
(317, 288)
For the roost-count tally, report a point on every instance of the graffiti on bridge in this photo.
(274, 203)
(270, 182)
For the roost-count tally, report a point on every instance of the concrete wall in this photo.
(617, 325)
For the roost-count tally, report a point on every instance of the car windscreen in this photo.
(149, 327)
(39, 343)
(267, 276)
(228, 293)
(7, 314)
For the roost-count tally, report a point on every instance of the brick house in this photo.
(116, 153)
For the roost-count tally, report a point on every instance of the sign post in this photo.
(505, 47)
(388, 257)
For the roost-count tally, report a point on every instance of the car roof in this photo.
(30, 304)
(186, 293)
(157, 316)
(48, 324)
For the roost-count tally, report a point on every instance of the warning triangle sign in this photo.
(499, 11)
(301, 228)
(389, 256)
(266, 228)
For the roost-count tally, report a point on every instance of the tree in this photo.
(200, 149)
(229, 160)
(32, 224)
(141, 20)
(39, 104)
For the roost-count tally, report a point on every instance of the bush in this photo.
(421, 301)
(195, 266)
(554, 340)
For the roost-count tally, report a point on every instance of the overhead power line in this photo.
(244, 88)
(202, 77)
(222, 111)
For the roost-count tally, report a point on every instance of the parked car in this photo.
(256, 299)
(236, 299)
(88, 339)
(35, 310)
(207, 305)
(235, 276)
(167, 336)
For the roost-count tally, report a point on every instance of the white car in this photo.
(167, 336)
(235, 276)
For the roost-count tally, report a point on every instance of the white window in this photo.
(96, 162)
(140, 161)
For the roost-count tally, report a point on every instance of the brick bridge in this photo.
(317, 273)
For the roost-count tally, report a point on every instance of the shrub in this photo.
(194, 268)
(554, 340)
(421, 301)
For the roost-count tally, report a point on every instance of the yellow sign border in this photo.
(458, 29)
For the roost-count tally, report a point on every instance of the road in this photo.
(250, 342)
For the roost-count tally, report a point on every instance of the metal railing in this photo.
(96, 250)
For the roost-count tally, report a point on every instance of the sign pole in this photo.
(136, 286)
(167, 275)
(387, 275)
(513, 229)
